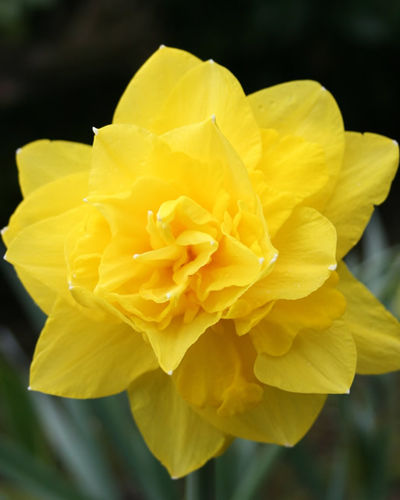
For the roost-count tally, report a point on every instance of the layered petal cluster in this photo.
(192, 255)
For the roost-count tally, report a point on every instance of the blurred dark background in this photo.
(65, 63)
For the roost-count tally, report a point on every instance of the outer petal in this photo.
(292, 165)
(48, 200)
(81, 358)
(42, 294)
(281, 417)
(210, 89)
(317, 363)
(305, 109)
(38, 250)
(44, 161)
(370, 162)
(149, 88)
(177, 436)
(375, 331)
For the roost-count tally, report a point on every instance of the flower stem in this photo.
(200, 484)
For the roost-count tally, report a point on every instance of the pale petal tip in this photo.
(323, 88)
(150, 212)
(332, 267)
(70, 285)
(213, 118)
(135, 255)
(274, 258)
(211, 61)
(261, 260)
(168, 295)
(174, 478)
(95, 130)
(348, 391)
(5, 256)
(85, 200)
(162, 46)
(394, 142)
(212, 242)
(170, 372)
(288, 445)
(5, 228)
(159, 218)
(18, 150)
(29, 388)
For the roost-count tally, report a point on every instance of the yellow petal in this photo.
(177, 436)
(375, 331)
(44, 161)
(210, 90)
(149, 88)
(171, 343)
(121, 154)
(304, 109)
(277, 205)
(369, 164)
(220, 166)
(81, 358)
(39, 250)
(319, 362)
(292, 164)
(275, 334)
(307, 247)
(228, 382)
(281, 417)
(42, 294)
(48, 200)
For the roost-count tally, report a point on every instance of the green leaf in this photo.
(33, 476)
(70, 430)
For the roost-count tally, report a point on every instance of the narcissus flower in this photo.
(193, 257)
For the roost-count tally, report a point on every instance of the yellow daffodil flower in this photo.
(193, 257)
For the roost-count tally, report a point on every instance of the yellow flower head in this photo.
(193, 256)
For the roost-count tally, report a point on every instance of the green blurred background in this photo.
(63, 66)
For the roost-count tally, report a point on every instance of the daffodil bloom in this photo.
(192, 255)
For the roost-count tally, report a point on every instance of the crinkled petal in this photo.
(206, 143)
(318, 362)
(79, 357)
(150, 87)
(369, 164)
(177, 436)
(210, 90)
(281, 417)
(171, 343)
(228, 383)
(276, 332)
(44, 161)
(308, 110)
(307, 247)
(375, 331)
